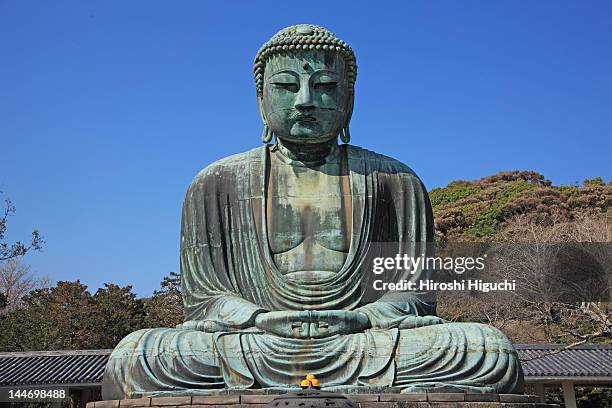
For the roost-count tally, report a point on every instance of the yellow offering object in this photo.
(310, 381)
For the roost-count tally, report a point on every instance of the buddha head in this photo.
(305, 79)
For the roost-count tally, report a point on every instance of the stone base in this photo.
(384, 400)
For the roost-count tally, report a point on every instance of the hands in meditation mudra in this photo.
(275, 244)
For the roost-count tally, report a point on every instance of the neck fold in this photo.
(308, 154)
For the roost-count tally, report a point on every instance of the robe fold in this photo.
(229, 276)
(227, 269)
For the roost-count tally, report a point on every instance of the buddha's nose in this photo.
(304, 101)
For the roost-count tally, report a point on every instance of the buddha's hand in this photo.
(312, 324)
(328, 323)
(207, 326)
(412, 322)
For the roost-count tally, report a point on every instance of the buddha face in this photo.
(306, 96)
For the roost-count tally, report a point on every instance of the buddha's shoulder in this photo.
(380, 162)
(230, 167)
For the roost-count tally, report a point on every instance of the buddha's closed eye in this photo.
(289, 86)
(326, 86)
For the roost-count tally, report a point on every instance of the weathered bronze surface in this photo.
(273, 247)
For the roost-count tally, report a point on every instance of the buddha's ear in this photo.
(266, 134)
(345, 134)
(349, 108)
(260, 107)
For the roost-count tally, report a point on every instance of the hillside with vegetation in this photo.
(479, 210)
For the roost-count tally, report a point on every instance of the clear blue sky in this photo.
(109, 108)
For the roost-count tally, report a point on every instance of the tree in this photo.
(115, 312)
(16, 249)
(165, 307)
(28, 327)
(563, 274)
(597, 181)
(57, 318)
(16, 281)
(68, 317)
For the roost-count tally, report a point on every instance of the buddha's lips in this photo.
(301, 117)
(305, 118)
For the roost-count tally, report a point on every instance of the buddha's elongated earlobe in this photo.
(266, 135)
(345, 134)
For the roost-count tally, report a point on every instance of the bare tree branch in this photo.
(18, 248)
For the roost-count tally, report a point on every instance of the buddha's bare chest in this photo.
(308, 218)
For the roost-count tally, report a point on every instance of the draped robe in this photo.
(229, 276)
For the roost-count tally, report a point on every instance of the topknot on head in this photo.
(303, 37)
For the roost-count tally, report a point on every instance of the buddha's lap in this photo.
(455, 353)
(415, 343)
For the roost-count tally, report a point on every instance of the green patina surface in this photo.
(273, 247)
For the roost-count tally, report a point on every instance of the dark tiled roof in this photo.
(550, 360)
(87, 366)
(53, 367)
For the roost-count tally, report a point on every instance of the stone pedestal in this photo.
(382, 400)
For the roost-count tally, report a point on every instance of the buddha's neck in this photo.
(306, 152)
